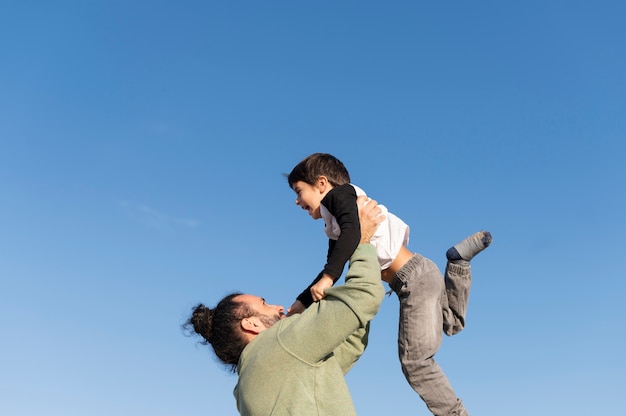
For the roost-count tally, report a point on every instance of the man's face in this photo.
(267, 314)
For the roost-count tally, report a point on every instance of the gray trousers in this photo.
(429, 306)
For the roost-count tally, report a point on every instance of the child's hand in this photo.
(297, 307)
(317, 290)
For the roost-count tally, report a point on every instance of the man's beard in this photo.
(269, 320)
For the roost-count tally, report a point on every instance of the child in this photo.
(322, 185)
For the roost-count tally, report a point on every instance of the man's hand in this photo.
(370, 215)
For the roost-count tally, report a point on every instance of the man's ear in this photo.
(252, 324)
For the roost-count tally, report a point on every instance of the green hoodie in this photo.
(297, 366)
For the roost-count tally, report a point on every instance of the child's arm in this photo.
(297, 307)
(317, 290)
(312, 294)
(306, 298)
(341, 203)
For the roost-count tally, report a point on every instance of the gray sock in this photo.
(464, 251)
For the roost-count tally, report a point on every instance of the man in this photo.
(296, 365)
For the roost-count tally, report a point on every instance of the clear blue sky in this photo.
(142, 147)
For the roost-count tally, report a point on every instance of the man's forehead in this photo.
(247, 298)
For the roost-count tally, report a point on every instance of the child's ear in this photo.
(323, 184)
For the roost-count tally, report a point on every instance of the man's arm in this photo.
(324, 326)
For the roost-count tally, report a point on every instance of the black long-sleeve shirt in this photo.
(340, 202)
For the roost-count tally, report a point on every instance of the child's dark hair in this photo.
(316, 165)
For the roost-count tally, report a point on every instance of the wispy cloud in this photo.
(154, 218)
(159, 128)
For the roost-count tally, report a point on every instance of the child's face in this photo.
(308, 197)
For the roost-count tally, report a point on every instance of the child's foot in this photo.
(464, 251)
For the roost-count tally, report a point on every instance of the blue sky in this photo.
(142, 147)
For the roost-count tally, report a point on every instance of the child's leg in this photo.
(465, 250)
(458, 280)
(420, 289)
